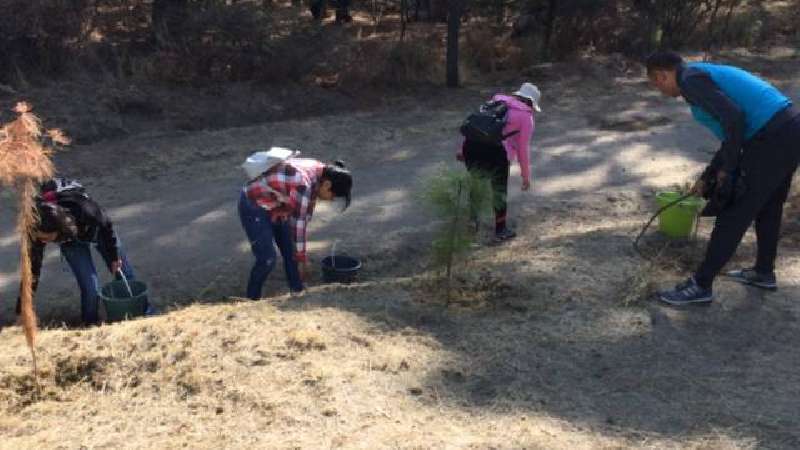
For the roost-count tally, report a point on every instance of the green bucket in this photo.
(677, 221)
(120, 303)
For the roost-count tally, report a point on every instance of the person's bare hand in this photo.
(116, 266)
(526, 185)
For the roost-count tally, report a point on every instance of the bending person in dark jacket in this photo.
(69, 217)
(749, 177)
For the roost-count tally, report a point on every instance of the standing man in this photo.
(750, 175)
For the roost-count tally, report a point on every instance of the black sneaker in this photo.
(686, 293)
(503, 236)
(751, 277)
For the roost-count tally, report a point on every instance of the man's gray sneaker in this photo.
(751, 277)
(686, 293)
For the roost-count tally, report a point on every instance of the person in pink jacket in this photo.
(495, 160)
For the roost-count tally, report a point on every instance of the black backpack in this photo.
(486, 125)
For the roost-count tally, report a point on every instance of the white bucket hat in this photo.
(532, 93)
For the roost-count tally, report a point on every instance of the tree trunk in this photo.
(549, 27)
(454, 12)
(403, 18)
(728, 16)
(437, 10)
(500, 12)
(167, 14)
(712, 21)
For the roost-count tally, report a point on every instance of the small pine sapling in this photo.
(459, 199)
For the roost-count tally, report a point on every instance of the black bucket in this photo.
(340, 269)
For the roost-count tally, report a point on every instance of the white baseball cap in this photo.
(259, 162)
(532, 93)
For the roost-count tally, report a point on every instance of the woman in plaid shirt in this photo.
(277, 206)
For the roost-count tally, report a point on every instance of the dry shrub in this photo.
(216, 42)
(25, 162)
(36, 35)
(237, 42)
(407, 62)
(489, 51)
(294, 56)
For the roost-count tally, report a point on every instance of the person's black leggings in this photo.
(492, 161)
(768, 165)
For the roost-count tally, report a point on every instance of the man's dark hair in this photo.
(55, 219)
(663, 61)
(341, 180)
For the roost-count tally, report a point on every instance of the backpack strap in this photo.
(495, 103)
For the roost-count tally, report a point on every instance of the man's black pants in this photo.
(768, 165)
(492, 161)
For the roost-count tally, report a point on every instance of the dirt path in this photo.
(173, 197)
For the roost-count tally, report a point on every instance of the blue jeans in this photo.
(79, 258)
(261, 232)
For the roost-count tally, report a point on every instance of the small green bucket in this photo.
(124, 300)
(677, 221)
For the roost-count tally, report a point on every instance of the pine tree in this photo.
(459, 199)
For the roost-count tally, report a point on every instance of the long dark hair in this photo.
(341, 180)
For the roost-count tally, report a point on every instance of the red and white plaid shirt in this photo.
(289, 191)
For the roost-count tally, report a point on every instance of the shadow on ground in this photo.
(574, 351)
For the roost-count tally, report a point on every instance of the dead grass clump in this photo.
(393, 359)
(642, 284)
(89, 370)
(476, 289)
(666, 259)
(305, 340)
(18, 391)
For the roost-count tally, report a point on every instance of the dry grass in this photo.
(225, 376)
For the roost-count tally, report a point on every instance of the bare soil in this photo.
(554, 342)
